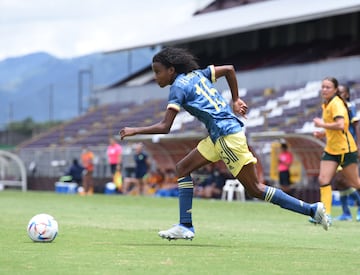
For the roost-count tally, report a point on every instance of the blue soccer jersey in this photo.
(353, 118)
(196, 93)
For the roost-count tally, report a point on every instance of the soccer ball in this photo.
(42, 228)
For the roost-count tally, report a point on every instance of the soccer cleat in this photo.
(312, 220)
(358, 216)
(344, 217)
(320, 216)
(178, 231)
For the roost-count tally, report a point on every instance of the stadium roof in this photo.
(241, 19)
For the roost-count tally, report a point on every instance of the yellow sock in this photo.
(326, 197)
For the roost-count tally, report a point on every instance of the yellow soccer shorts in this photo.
(232, 149)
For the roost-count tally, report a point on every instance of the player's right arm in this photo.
(162, 127)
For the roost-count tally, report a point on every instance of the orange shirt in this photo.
(87, 160)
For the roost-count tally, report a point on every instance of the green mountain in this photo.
(44, 87)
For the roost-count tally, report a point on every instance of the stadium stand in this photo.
(287, 110)
(277, 110)
(280, 66)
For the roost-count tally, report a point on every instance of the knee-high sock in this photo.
(278, 197)
(344, 194)
(326, 197)
(186, 190)
(344, 203)
(354, 194)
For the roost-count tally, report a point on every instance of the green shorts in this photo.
(343, 159)
(232, 149)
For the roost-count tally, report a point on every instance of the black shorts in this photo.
(112, 168)
(284, 177)
(343, 159)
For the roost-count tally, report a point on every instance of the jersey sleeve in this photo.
(338, 110)
(176, 98)
(209, 73)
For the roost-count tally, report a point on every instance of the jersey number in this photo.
(209, 94)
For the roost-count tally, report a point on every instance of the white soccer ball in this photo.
(42, 228)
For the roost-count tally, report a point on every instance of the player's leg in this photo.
(239, 160)
(351, 174)
(344, 191)
(327, 172)
(198, 157)
(247, 176)
(344, 201)
(354, 194)
(191, 162)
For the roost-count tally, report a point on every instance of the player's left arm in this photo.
(162, 127)
(239, 106)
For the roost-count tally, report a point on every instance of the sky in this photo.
(72, 28)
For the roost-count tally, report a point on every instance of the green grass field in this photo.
(112, 234)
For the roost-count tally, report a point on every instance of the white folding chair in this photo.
(233, 186)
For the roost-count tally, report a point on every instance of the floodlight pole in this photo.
(51, 102)
(80, 87)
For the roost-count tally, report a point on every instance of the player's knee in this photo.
(323, 180)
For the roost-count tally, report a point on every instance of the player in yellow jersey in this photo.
(340, 148)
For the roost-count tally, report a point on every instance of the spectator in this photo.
(169, 188)
(211, 187)
(153, 181)
(114, 155)
(87, 160)
(142, 164)
(76, 172)
(285, 161)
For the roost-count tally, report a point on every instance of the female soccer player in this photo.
(340, 149)
(192, 89)
(354, 129)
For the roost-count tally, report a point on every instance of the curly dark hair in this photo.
(182, 60)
